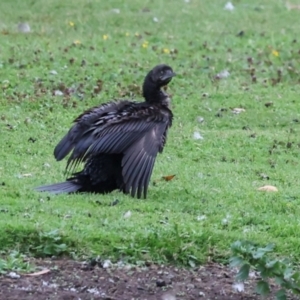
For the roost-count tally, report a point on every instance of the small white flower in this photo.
(53, 72)
(127, 215)
(116, 10)
(229, 6)
(155, 20)
(197, 136)
(223, 74)
(200, 119)
(58, 93)
(225, 221)
(201, 218)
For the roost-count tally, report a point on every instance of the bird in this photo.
(117, 141)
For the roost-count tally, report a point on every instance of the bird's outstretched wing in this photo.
(136, 130)
(83, 123)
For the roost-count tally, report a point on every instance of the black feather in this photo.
(118, 141)
(58, 188)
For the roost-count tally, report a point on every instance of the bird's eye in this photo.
(161, 72)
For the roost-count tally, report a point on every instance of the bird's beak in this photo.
(168, 75)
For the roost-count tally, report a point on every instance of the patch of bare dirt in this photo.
(67, 279)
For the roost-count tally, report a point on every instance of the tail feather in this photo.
(59, 188)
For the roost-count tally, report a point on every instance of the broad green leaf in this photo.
(192, 263)
(259, 253)
(243, 272)
(263, 288)
(236, 261)
(269, 247)
(288, 273)
(236, 245)
(281, 295)
(273, 264)
(296, 276)
(279, 280)
(265, 273)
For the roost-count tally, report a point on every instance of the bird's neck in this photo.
(153, 94)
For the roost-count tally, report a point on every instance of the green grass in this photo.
(213, 200)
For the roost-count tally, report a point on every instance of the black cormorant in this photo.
(118, 141)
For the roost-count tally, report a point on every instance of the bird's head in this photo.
(161, 75)
(158, 77)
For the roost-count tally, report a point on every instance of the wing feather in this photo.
(134, 173)
(84, 123)
(139, 160)
(146, 172)
(115, 139)
(147, 176)
(141, 187)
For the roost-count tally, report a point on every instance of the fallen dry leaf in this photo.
(168, 178)
(238, 110)
(290, 6)
(268, 104)
(45, 271)
(268, 188)
(13, 275)
(24, 27)
(116, 10)
(26, 175)
(223, 74)
(238, 287)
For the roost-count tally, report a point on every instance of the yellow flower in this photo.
(105, 37)
(145, 44)
(77, 42)
(71, 24)
(127, 34)
(166, 50)
(275, 53)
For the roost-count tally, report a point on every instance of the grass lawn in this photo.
(94, 51)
